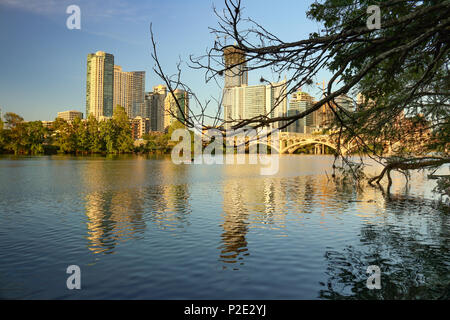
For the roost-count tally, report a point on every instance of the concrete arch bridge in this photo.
(289, 142)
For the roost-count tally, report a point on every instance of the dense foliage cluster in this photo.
(111, 136)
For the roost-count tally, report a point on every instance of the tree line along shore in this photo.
(112, 136)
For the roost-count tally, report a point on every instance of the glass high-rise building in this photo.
(276, 102)
(154, 107)
(99, 84)
(137, 88)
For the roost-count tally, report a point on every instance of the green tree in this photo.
(402, 72)
(64, 135)
(2, 136)
(13, 120)
(16, 133)
(35, 134)
(108, 132)
(122, 130)
(22, 137)
(156, 142)
(96, 143)
(80, 136)
(59, 124)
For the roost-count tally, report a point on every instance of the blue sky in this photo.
(43, 64)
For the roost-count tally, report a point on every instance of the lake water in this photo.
(145, 228)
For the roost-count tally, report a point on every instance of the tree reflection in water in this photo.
(414, 260)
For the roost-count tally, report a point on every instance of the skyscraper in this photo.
(154, 107)
(137, 88)
(241, 101)
(236, 73)
(325, 115)
(172, 112)
(276, 102)
(129, 91)
(99, 84)
(148, 100)
(121, 98)
(300, 102)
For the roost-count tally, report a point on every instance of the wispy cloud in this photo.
(117, 9)
(46, 7)
(108, 18)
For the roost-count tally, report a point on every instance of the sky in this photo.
(43, 63)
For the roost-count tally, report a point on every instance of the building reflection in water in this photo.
(120, 201)
(268, 204)
(123, 197)
(235, 225)
(248, 203)
(114, 214)
(168, 202)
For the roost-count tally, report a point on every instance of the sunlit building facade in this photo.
(176, 112)
(300, 102)
(139, 127)
(99, 85)
(121, 98)
(246, 102)
(129, 91)
(70, 115)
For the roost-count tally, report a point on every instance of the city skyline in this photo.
(109, 86)
(47, 47)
